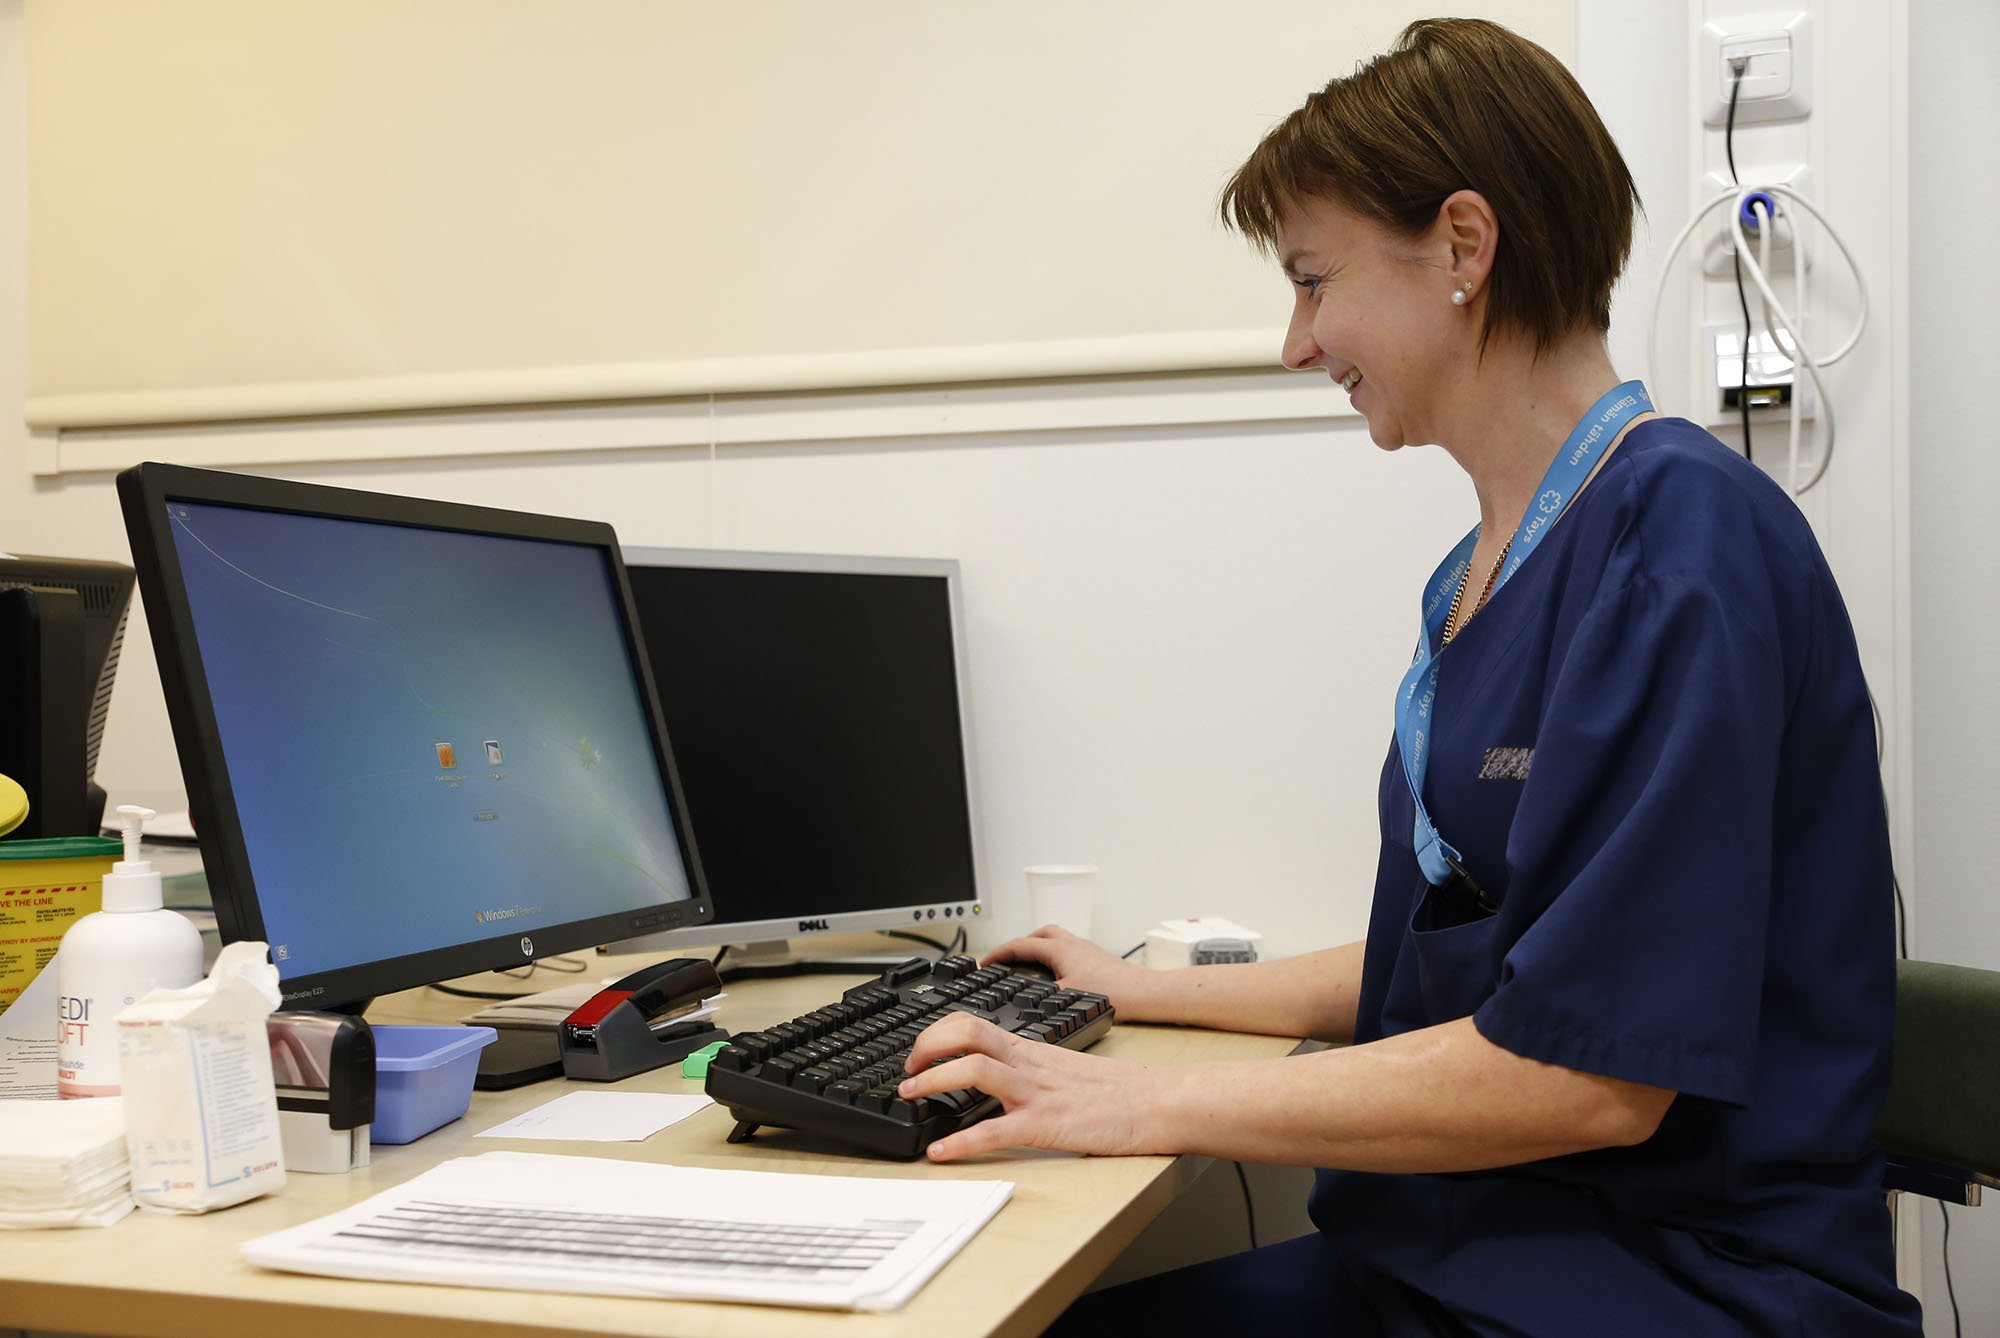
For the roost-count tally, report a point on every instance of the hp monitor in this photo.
(818, 711)
(418, 738)
(62, 623)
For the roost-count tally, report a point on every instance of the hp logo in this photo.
(527, 946)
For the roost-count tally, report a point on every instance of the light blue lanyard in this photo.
(1417, 697)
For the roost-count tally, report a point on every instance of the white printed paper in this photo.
(28, 1041)
(534, 1222)
(600, 1117)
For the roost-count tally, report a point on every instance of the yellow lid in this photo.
(13, 805)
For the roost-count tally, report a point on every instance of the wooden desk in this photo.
(181, 1277)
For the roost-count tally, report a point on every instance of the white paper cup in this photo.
(1060, 894)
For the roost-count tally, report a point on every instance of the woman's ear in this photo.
(1470, 231)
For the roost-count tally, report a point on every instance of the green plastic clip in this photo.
(696, 1064)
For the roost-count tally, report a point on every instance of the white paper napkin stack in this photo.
(63, 1163)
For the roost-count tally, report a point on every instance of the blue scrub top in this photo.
(1654, 747)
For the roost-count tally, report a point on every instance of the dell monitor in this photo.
(62, 623)
(419, 739)
(818, 711)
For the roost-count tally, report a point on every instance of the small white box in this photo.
(1171, 943)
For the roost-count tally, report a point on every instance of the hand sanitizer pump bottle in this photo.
(109, 959)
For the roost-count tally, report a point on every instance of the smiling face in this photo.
(1374, 309)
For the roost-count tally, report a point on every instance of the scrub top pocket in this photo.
(1453, 945)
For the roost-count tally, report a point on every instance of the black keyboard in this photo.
(834, 1071)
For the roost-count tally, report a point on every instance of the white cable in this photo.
(1666, 272)
(1801, 352)
(1801, 355)
(1798, 413)
(1860, 284)
(1767, 225)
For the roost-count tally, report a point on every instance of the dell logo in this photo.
(812, 926)
(527, 946)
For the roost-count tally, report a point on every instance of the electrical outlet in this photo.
(1718, 255)
(1777, 55)
(1772, 379)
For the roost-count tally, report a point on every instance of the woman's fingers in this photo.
(994, 1135)
(1040, 946)
(983, 1072)
(956, 1034)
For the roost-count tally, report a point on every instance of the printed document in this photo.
(533, 1222)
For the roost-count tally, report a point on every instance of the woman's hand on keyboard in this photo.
(1053, 1097)
(1082, 965)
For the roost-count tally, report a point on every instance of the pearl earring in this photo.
(1462, 294)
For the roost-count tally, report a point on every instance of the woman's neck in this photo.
(1514, 412)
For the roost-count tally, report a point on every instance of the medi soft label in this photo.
(109, 959)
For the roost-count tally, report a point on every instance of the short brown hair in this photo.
(1462, 104)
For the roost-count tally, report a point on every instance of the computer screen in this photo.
(62, 624)
(418, 739)
(818, 711)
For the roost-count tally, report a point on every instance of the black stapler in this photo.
(639, 1022)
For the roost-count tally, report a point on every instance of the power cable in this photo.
(1944, 1249)
(1249, 1208)
(1736, 68)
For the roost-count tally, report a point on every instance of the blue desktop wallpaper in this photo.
(434, 737)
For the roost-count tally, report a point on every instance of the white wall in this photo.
(1955, 477)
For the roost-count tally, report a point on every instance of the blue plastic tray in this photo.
(423, 1078)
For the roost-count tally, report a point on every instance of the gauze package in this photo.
(201, 1111)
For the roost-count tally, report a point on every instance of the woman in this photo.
(1621, 1022)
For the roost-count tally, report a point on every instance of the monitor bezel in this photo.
(144, 492)
(918, 917)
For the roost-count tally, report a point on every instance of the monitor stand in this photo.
(777, 957)
(517, 1057)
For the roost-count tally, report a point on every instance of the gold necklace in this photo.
(1452, 627)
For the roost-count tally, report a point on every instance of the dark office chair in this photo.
(1941, 1127)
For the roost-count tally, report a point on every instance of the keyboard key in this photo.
(967, 1006)
(902, 974)
(956, 1103)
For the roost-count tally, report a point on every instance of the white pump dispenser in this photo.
(109, 959)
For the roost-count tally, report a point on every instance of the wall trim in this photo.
(1093, 404)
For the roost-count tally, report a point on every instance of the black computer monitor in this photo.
(418, 738)
(818, 707)
(62, 623)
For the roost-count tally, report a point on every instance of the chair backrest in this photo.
(1944, 1090)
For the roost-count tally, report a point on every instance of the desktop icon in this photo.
(493, 752)
(447, 756)
(589, 755)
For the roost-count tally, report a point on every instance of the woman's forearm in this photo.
(1441, 1099)
(1314, 995)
